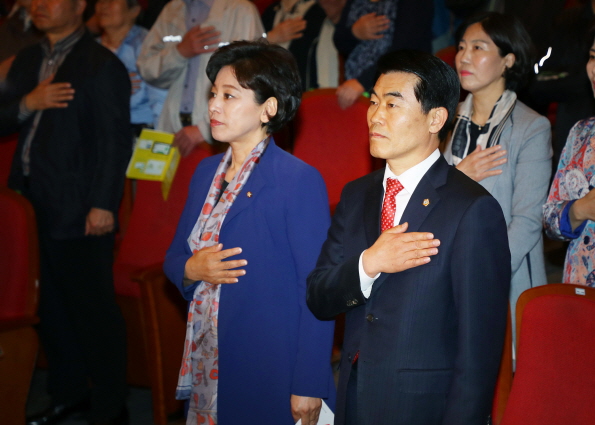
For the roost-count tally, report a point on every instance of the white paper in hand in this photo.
(326, 417)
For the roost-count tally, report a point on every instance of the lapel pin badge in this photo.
(249, 194)
(426, 202)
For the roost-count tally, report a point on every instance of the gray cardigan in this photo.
(521, 190)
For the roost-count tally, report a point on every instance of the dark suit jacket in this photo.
(79, 154)
(430, 338)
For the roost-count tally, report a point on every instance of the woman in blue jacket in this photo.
(250, 233)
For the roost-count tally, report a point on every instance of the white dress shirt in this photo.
(409, 179)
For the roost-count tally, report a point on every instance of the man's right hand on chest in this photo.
(395, 251)
(199, 40)
(49, 95)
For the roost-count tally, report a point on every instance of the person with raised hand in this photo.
(175, 53)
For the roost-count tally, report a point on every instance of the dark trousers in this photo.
(351, 398)
(81, 326)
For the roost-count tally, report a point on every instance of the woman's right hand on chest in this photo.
(482, 163)
(209, 264)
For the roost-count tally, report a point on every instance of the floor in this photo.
(139, 401)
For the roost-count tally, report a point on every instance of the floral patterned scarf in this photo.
(199, 370)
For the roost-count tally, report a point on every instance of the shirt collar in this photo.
(65, 44)
(134, 31)
(411, 178)
(207, 3)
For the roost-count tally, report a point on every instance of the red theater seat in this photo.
(8, 145)
(504, 382)
(333, 140)
(19, 274)
(151, 228)
(554, 370)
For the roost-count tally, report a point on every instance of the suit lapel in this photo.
(249, 194)
(423, 200)
(253, 187)
(425, 197)
(373, 207)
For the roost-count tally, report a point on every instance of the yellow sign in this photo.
(154, 158)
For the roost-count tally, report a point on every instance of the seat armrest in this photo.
(17, 322)
(165, 312)
(149, 275)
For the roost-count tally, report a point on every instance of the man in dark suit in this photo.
(424, 325)
(69, 99)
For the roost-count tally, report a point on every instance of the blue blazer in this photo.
(270, 344)
(430, 338)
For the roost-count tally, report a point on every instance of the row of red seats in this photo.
(554, 328)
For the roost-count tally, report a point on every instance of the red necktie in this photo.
(389, 207)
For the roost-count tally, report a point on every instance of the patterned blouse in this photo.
(574, 178)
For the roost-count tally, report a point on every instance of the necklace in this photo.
(478, 126)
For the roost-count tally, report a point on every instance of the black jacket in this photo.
(79, 154)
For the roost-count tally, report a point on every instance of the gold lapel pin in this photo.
(426, 202)
(249, 194)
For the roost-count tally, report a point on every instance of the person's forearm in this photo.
(577, 213)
